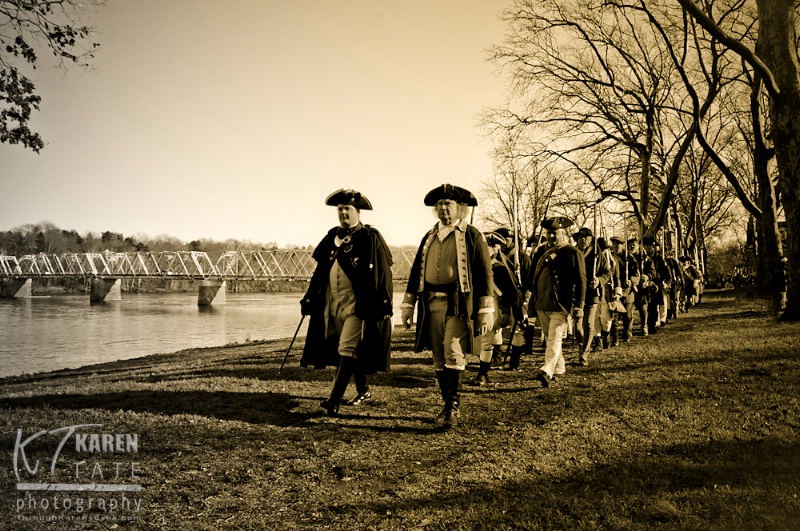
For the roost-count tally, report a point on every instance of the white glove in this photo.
(485, 322)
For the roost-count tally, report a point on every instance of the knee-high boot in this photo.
(497, 356)
(482, 378)
(340, 383)
(530, 335)
(514, 357)
(453, 381)
(614, 334)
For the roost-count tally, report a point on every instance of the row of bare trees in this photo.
(658, 117)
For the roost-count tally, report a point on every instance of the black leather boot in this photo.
(530, 336)
(513, 359)
(340, 383)
(482, 378)
(614, 334)
(452, 414)
(497, 356)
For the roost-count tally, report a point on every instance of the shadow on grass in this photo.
(693, 485)
(409, 374)
(254, 408)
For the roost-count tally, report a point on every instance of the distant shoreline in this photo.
(51, 286)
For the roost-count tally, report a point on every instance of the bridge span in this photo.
(106, 270)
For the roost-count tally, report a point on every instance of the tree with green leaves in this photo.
(28, 27)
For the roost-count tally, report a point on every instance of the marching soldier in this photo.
(646, 288)
(629, 279)
(555, 290)
(507, 310)
(520, 264)
(661, 281)
(598, 274)
(611, 292)
(451, 284)
(349, 301)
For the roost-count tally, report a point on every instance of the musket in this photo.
(291, 343)
(625, 232)
(546, 210)
(517, 257)
(515, 216)
(510, 340)
(594, 242)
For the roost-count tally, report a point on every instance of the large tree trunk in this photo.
(777, 48)
(768, 244)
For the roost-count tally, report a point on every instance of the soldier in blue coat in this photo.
(349, 301)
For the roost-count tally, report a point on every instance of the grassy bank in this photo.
(695, 427)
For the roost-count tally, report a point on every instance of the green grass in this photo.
(695, 427)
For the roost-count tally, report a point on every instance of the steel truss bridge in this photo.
(178, 265)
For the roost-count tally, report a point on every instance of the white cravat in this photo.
(445, 230)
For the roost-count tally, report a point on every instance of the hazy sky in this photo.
(235, 119)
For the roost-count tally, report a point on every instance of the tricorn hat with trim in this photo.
(584, 232)
(557, 223)
(493, 238)
(449, 191)
(503, 232)
(617, 240)
(649, 240)
(348, 197)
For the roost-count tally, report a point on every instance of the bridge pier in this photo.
(16, 287)
(211, 292)
(105, 289)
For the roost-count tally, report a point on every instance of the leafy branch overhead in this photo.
(25, 27)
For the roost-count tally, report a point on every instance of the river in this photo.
(42, 334)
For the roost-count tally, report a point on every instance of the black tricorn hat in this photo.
(348, 197)
(557, 223)
(603, 243)
(493, 238)
(449, 191)
(649, 240)
(585, 231)
(503, 232)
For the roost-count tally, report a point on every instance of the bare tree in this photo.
(775, 59)
(521, 190)
(621, 96)
(607, 86)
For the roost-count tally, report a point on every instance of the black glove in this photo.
(305, 307)
(516, 312)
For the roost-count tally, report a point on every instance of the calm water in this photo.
(66, 331)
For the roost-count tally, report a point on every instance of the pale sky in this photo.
(235, 119)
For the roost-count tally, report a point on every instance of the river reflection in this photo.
(66, 331)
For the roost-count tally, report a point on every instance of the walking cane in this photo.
(291, 343)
